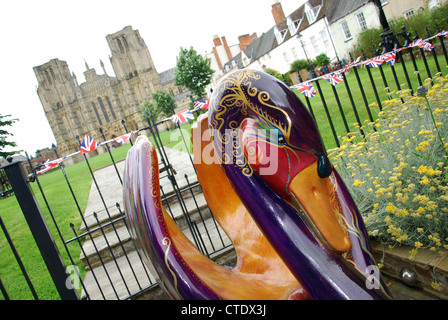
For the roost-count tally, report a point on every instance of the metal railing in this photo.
(182, 188)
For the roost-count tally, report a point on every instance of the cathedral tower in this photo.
(130, 56)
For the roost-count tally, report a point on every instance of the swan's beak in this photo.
(319, 205)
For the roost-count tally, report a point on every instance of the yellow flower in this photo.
(422, 132)
(436, 285)
(358, 183)
(420, 230)
(425, 180)
(418, 244)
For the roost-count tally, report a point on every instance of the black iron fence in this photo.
(341, 108)
(108, 267)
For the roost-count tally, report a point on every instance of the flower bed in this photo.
(396, 169)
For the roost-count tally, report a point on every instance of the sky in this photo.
(34, 32)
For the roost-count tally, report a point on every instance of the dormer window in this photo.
(312, 13)
(280, 35)
(293, 26)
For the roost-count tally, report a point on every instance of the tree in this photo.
(193, 71)
(163, 102)
(4, 135)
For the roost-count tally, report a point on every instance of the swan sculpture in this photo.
(262, 165)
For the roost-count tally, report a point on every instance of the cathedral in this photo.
(103, 100)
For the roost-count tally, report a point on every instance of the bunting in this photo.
(202, 104)
(88, 144)
(124, 138)
(390, 58)
(48, 165)
(333, 78)
(374, 62)
(306, 88)
(182, 117)
(422, 44)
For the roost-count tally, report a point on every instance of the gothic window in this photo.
(96, 113)
(103, 108)
(120, 45)
(125, 44)
(111, 108)
(48, 77)
(53, 77)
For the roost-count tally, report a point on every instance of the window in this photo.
(120, 46)
(346, 30)
(111, 109)
(408, 14)
(100, 101)
(311, 13)
(294, 53)
(433, 3)
(280, 35)
(315, 45)
(96, 113)
(285, 55)
(361, 21)
(125, 44)
(293, 26)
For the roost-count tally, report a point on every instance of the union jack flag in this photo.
(374, 62)
(203, 104)
(306, 89)
(442, 34)
(124, 138)
(48, 165)
(333, 78)
(88, 144)
(348, 66)
(356, 61)
(182, 117)
(390, 58)
(422, 44)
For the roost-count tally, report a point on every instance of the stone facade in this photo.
(103, 100)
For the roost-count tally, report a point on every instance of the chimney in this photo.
(217, 41)
(246, 39)
(277, 12)
(226, 47)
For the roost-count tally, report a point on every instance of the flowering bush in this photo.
(397, 172)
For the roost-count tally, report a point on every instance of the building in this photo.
(317, 26)
(396, 8)
(103, 100)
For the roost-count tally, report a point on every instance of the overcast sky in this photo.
(34, 32)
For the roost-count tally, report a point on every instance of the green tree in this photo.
(162, 108)
(322, 60)
(193, 71)
(4, 135)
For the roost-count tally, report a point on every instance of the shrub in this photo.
(398, 173)
(299, 65)
(322, 60)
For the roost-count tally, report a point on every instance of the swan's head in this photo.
(281, 143)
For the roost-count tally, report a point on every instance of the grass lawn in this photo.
(358, 99)
(65, 211)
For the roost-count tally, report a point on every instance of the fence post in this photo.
(39, 229)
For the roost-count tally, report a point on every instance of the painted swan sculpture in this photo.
(262, 165)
